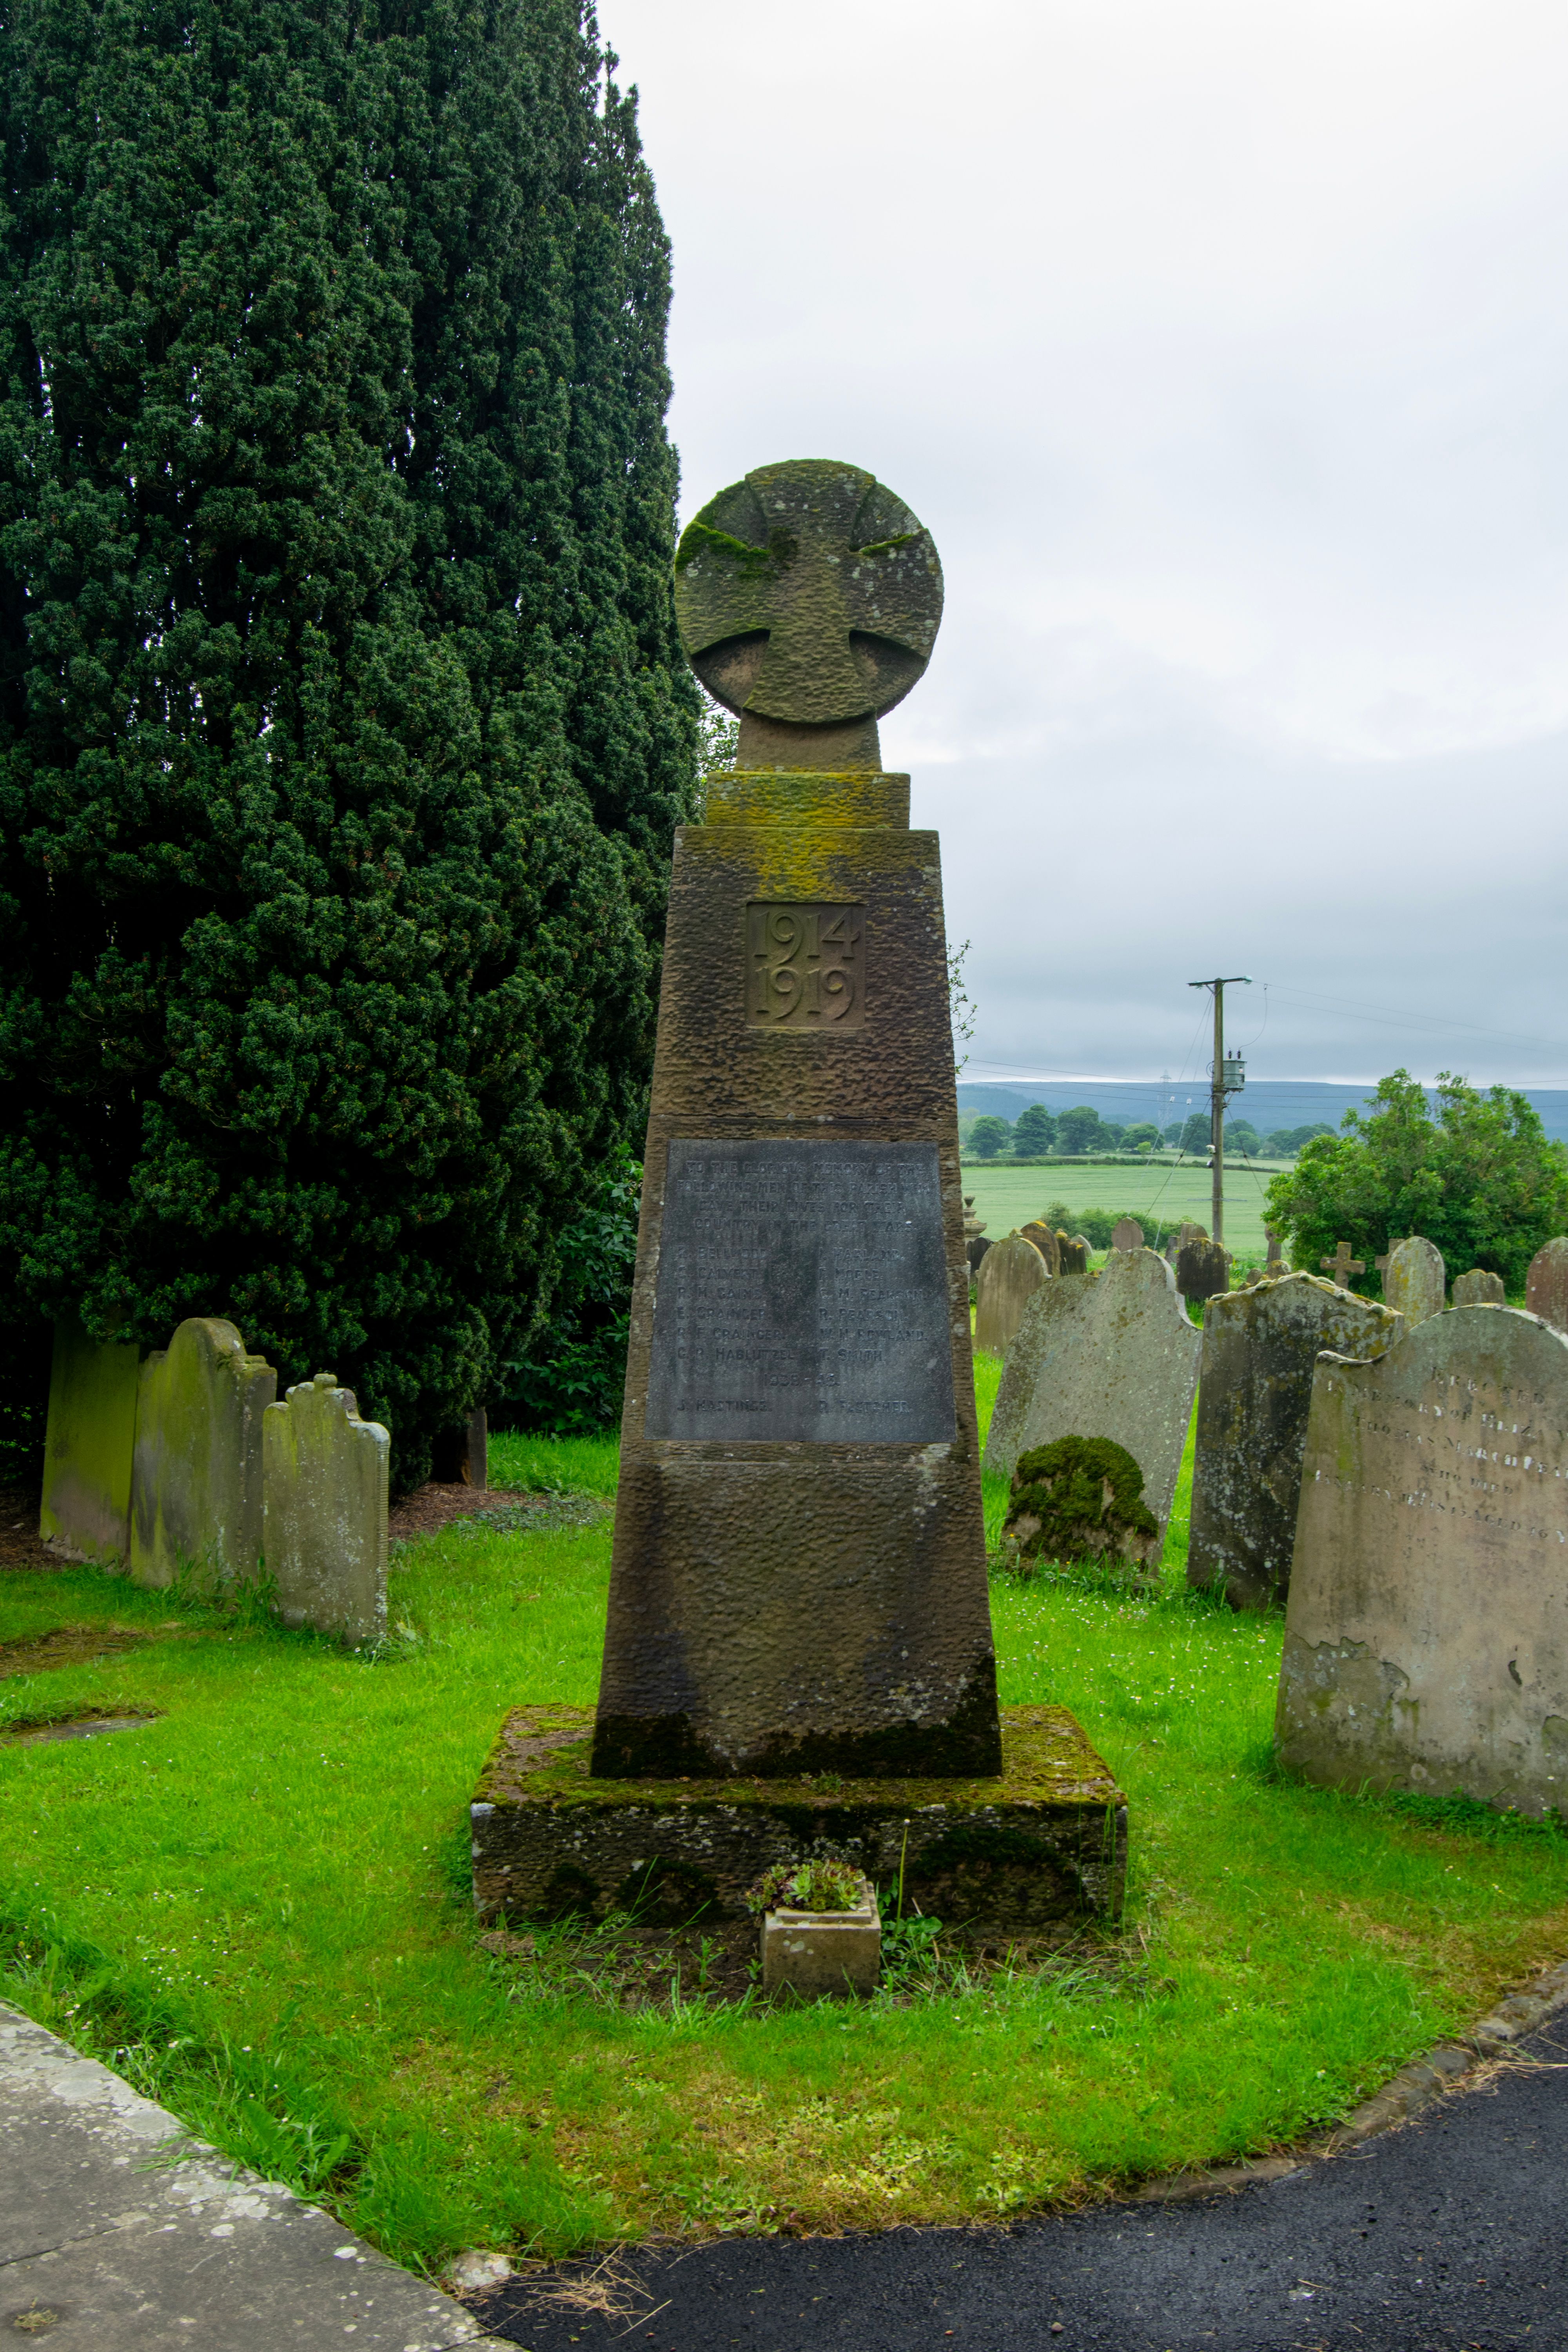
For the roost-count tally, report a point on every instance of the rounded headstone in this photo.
(1127, 1234)
(1414, 1281)
(974, 1250)
(1009, 1275)
(1479, 1288)
(808, 594)
(1202, 1268)
(1546, 1284)
(1046, 1241)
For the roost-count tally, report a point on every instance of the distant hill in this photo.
(1269, 1103)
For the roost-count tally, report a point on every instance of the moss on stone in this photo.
(1080, 1499)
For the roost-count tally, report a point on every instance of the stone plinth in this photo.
(1009, 1855)
(1260, 1347)
(195, 1492)
(325, 1528)
(822, 1955)
(1425, 1641)
(92, 1432)
(1112, 1354)
(799, 1572)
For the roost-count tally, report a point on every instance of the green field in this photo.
(1160, 1198)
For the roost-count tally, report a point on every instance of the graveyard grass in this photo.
(257, 1904)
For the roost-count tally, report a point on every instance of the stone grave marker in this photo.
(1127, 1234)
(85, 1512)
(1046, 1241)
(1414, 1281)
(974, 1251)
(1546, 1284)
(1111, 1355)
(1260, 1349)
(1341, 1265)
(1276, 1263)
(195, 1483)
(798, 1588)
(1072, 1255)
(325, 1491)
(1202, 1268)
(1479, 1288)
(1425, 1643)
(1003, 1286)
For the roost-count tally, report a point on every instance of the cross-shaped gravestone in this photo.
(1341, 1265)
(808, 595)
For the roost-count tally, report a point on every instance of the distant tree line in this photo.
(1081, 1132)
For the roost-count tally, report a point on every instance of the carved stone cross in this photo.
(809, 599)
(1341, 1265)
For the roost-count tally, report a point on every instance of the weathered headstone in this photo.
(1414, 1281)
(1112, 1355)
(1425, 1644)
(1341, 1265)
(1046, 1241)
(1003, 1286)
(1479, 1288)
(91, 1431)
(1080, 1499)
(1202, 1268)
(1072, 1255)
(1260, 1349)
(195, 1485)
(1127, 1234)
(1276, 1262)
(1546, 1284)
(325, 1489)
(976, 1250)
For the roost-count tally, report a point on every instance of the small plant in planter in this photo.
(821, 1933)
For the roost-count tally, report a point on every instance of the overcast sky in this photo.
(1224, 348)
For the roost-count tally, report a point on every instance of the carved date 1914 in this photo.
(803, 967)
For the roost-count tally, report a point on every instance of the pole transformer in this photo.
(1229, 1078)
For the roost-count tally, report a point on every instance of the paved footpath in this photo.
(106, 2242)
(1449, 2235)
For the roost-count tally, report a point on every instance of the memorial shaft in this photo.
(799, 1573)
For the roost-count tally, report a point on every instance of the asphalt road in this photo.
(1450, 2232)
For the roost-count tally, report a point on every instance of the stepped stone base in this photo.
(1006, 1857)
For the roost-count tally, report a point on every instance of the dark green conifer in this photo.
(342, 724)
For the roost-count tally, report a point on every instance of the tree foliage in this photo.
(343, 727)
(1034, 1130)
(988, 1136)
(572, 1378)
(1480, 1178)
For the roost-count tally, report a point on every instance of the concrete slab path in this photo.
(113, 2237)
(1447, 2235)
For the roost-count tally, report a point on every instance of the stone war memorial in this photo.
(1109, 1355)
(1425, 1639)
(1260, 1348)
(798, 1656)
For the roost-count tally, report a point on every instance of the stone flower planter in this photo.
(823, 1955)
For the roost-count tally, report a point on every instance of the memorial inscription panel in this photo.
(801, 1294)
(803, 967)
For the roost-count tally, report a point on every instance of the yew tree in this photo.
(342, 722)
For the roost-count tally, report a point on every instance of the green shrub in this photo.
(572, 1378)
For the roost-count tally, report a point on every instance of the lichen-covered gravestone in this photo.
(1003, 1286)
(1546, 1284)
(798, 1590)
(195, 1488)
(325, 1521)
(1072, 1253)
(1202, 1268)
(1127, 1234)
(85, 1512)
(1080, 1499)
(1045, 1240)
(1426, 1640)
(1415, 1280)
(1479, 1288)
(1112, 1354)
(1260, 1349)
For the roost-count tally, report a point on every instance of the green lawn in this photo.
(258, 1902)
(1160, 1198)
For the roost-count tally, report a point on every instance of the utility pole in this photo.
(1229, 1078)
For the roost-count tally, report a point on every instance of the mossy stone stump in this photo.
(1079, 1498)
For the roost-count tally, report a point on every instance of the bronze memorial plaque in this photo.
(801, 1294)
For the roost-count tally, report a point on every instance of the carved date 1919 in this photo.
(803, 967)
